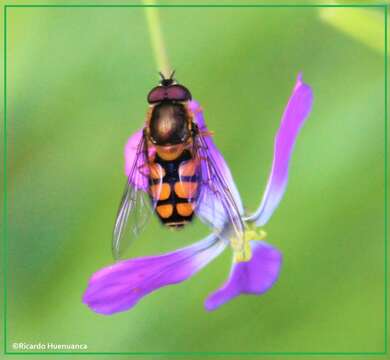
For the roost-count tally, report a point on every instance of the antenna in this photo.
(167, 81)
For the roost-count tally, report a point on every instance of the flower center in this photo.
(241, 247)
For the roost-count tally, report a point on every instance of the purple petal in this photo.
(220, 163)
(131, 150)
(295, 114)
(120, 286)
(253, 277)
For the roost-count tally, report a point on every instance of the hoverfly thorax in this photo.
(169, 124)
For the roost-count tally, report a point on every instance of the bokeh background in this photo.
(76, 86)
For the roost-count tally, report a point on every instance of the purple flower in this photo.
(256, 265)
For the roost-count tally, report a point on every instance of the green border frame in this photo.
(189, 353)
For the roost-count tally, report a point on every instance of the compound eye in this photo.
(178, 93)
(172, 93)
(157, 94)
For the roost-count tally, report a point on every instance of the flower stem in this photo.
(156, 37)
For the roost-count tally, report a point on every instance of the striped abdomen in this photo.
(173, 188)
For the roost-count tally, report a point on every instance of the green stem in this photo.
(156, 37)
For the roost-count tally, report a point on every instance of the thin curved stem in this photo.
(156, 37)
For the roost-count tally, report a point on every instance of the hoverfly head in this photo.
(168, 90)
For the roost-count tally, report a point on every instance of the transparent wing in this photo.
(135, 207)
(216, 205)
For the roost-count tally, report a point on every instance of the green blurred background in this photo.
(76, 86)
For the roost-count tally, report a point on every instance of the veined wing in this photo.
(135, 207)
(216, 204)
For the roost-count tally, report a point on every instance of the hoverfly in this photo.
(173, 173)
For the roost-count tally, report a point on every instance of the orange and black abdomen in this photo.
(173, 188)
